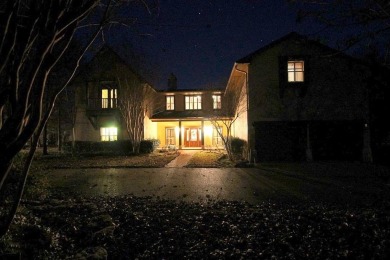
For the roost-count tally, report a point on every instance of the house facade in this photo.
(178, 118)
(304, 101)
(299, 100)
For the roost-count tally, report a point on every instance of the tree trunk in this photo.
(367, 153)
(59, 136)
(309, 153)
(9, 216)
(73, 140)
(44, 137)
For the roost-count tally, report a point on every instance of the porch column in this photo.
(367, 153)
(202, 134)
(179, 134)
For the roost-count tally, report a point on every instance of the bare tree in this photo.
(35, 35)
(233, 105)
(360, 21)
(135, 102)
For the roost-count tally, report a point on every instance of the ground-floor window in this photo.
(170, 136)
(108, 134)
(217, 140)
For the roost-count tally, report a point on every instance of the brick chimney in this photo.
(172, 82)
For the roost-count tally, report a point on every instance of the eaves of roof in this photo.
(183, 115)
(192, 90)
(297, 36)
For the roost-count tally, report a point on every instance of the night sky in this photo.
(199, 40)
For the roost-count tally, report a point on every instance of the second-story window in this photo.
(170, 102)
(193, 102)
(109, 97)
(295, 70)
(216, 101)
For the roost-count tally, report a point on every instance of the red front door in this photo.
(192, 137)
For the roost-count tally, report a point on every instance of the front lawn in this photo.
(63, 161)
(209, 159)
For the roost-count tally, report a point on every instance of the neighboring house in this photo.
(178, 118)
(304, 101)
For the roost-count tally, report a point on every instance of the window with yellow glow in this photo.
(170, 102)
(193, 102)
(216, 101)
(109, 98)
(108, 134)
(217, 140)
(295, 70)
(170, 136)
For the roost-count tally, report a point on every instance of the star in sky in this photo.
(199, 41)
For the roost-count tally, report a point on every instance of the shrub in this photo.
(87, 147)
(149, 145)
(238, 145)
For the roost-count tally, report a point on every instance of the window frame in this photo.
(194, 102)
(216, 138)
(173, 138)
(217, 101)
(170, 102)
(107, 136)
(296, 72)
(111, 101)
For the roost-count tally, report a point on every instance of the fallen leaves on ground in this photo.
(103, 161)
(129, 227)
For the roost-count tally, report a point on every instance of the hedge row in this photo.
(114, 147)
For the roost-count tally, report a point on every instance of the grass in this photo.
(63, 161)
(209, 159)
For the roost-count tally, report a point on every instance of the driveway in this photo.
(209, 184)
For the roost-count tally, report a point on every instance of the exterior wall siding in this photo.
(335, 87)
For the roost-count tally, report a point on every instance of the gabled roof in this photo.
(296, 36)
(292, 35)
(108, 51)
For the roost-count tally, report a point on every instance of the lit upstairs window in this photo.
(170, 102)
(108, 134)
(109, 98)
(296, 70)
(193, 102)
(216, 101)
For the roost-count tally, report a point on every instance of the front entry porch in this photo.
(193, 137)
(186, 134)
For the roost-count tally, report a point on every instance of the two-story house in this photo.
(178, 117)
(301, 100)
(184, 118)
(304, 100)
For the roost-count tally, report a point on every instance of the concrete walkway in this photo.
(181, 160)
